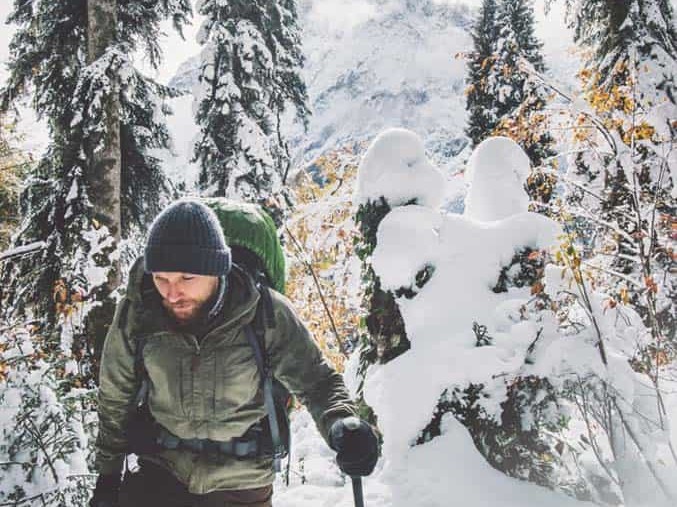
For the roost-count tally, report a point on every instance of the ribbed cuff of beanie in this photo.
(187, 259)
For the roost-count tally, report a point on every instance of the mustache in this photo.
(182, 302)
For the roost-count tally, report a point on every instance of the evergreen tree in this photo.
(49, 57)
(56, 302)
(479, 102)
(503, 99)
(627, 32)
(520, 98)
(249, 76)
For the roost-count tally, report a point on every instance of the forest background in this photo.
(561, 375)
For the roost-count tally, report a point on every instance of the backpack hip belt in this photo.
(242, 447)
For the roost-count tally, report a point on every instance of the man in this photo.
(189, 307)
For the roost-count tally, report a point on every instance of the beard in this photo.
(185, 311)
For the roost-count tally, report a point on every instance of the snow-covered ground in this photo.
(462, 477)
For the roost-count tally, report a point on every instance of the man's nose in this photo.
(173, 293)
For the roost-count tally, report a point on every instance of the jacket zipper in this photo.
(195, 360)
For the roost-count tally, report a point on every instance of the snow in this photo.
(467, 254)
(496, 174)
(381, 63)
(38, 245)
(464, 480)
(397, 156)
(178, 163)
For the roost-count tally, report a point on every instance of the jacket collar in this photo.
(150, 316)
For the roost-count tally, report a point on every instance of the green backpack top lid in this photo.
(249, 226)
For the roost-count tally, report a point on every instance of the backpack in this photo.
(255, 248)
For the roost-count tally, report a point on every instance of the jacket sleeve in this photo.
(117, 389)
(298, 363)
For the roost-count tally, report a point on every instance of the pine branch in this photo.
(23, 250)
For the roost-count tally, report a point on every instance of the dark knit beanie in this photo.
(187, 237)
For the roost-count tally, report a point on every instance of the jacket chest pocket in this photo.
(236, 379)
(168, 367)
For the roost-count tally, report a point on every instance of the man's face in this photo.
(184, 294)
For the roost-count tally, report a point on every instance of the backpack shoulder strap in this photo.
(266, 300)
(141, 373)
(135, 347)
(255, 332)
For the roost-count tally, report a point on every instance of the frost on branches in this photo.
(320, 235)
(52, 298)
(250, 75)
(513, 343)
(45, 422)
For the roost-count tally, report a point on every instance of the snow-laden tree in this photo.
(59, 206)
(502, 98)
(46, 422)
(622, 180)
(518, 345)
(482, 117)
(385, 337)
(618, 252)
(250, 77)
(56, 301)
(520, 99)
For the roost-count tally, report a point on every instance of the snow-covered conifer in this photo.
(250, 76)
(520, 99)
(49, 58)
(395, 155)
(503, 99)
(58, 298)
(482, 117)
(533, 359)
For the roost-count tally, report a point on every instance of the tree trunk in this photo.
(104, 173)
(105, 166)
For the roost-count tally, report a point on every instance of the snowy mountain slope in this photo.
(370, 64)
(374, 64)
(394, 68)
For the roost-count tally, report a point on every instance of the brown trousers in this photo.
(153, 486)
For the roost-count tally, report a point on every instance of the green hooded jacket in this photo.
(207, 388)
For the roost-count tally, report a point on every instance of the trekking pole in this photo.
(352, 424)
(357, 491)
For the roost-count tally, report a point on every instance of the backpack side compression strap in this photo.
(269, 402)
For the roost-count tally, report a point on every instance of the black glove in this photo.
(106, 491)
(356, 446)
